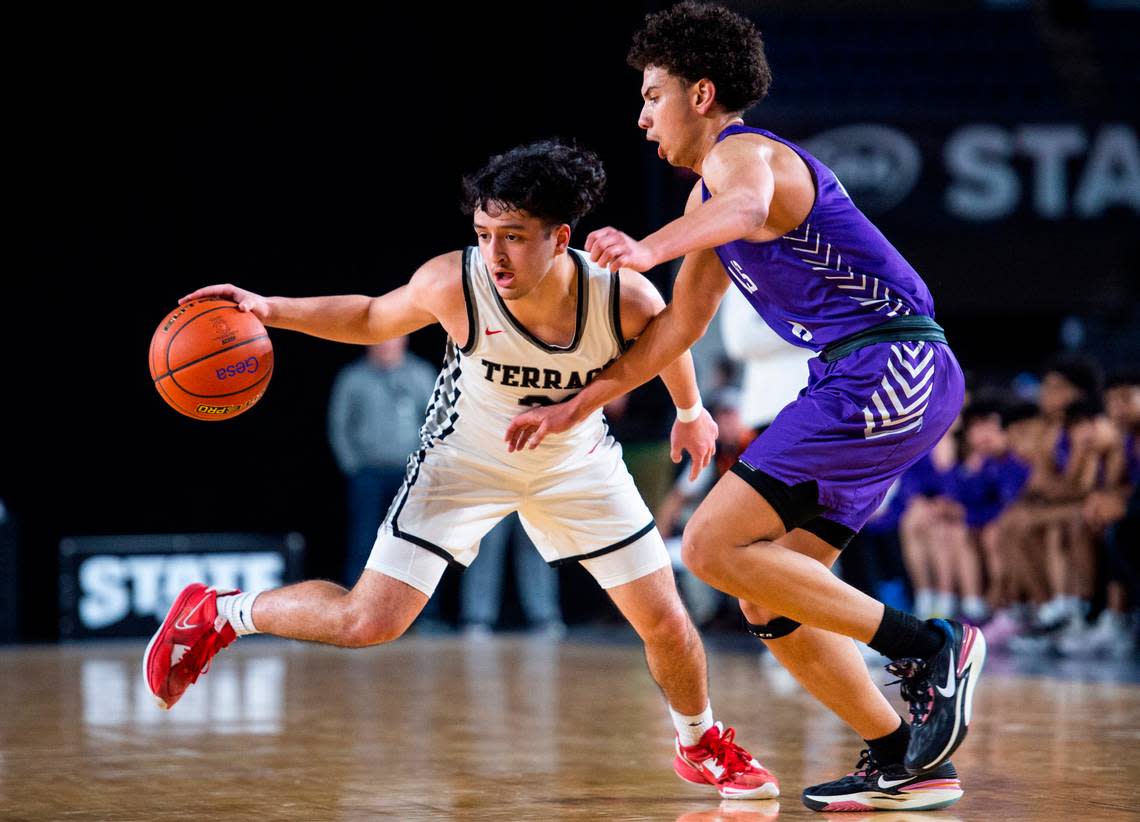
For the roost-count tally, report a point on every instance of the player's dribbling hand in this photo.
(532, 427)
(698, 438)
(246, 300)
(614, 249)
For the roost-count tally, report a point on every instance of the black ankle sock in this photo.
(890, 749)
(903, 635)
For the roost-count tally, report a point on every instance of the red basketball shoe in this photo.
(181, 649)
(718, 761)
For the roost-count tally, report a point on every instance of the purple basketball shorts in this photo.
(861, 421)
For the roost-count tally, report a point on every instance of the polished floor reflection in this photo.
(502, 729)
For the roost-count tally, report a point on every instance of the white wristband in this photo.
(691, 413)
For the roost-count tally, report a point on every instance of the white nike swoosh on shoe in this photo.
(181, 624)
(716, 770)
(891, 783)
(948, 690)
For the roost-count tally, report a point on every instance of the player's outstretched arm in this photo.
(352, 318)
(640, 303)
(742, 186)
(697, 292)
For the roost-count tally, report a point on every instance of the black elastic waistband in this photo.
(897, 329)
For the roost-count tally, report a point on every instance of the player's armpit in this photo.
(433, 294)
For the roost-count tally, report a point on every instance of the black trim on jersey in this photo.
(472, 319)
(615, 311)
(608, 549)
(583, 309)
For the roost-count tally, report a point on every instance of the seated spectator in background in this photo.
(929, 517)
(1112, 514)
(682, 500)
(481, 585)
(375, 412)
(1044, 542)
(987, 480)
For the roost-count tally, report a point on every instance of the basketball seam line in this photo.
(173, 371)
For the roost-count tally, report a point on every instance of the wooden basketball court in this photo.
(506, 728)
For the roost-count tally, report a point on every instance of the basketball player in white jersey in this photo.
(530, 322)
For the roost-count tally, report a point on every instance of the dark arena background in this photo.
(312, 152)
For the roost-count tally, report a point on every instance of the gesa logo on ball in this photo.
(247, 366)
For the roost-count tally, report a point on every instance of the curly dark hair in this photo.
(697, 40)
(557, 182)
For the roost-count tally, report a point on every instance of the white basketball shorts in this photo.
(587, 511)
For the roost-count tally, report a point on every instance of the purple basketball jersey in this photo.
(866, 417)
(830, 277)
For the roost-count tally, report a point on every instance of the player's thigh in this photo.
(803, 542)
(732, 515)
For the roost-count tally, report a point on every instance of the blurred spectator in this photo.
(375, 413)
(929, 528)
(988, 479)
(1044, 543)
(481, 586)
(1113, 515)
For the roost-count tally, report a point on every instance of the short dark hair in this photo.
(552, 180)
(981, 410)
(1082, 372)
(696, 40)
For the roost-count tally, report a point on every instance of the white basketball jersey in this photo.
(503, 369)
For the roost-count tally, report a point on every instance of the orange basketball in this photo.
(209, 360)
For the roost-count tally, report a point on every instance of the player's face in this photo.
(519, 249)
(1056, 394)
(668, 116)
(986, 436)
(1122, 405)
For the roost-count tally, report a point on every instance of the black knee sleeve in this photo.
(776, 628)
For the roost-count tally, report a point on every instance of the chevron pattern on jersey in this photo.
(441, 411)
(901, 399)
(866, 290)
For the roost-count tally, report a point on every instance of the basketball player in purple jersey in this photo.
(772, 220)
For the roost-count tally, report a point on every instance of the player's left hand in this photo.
(614, 249)
(532, 427)
(698, 438)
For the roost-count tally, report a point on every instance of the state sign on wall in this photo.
(122, 586)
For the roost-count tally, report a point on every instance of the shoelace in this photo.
(866, 765)
(914, 685)
(730, 756)
(201, 654)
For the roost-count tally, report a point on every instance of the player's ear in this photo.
(561, 238)
(703, 95)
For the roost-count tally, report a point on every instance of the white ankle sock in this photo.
(924, 603)
(973, 608)
(945, 604)
(238, 611)
(690, 729)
